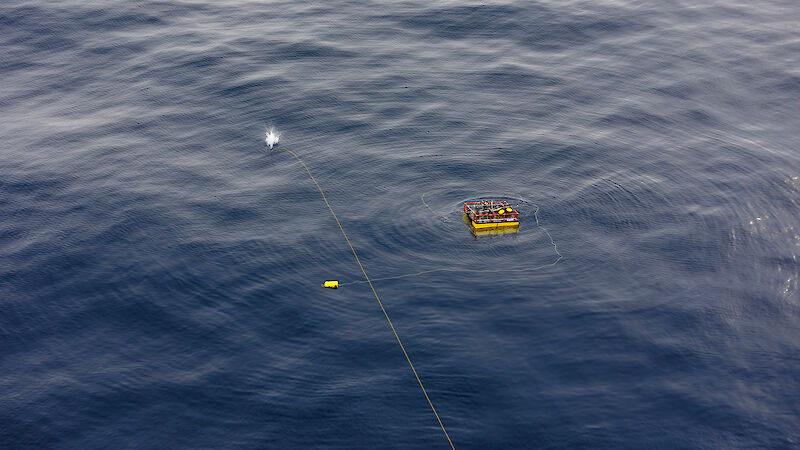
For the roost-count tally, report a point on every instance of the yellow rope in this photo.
(324, 199)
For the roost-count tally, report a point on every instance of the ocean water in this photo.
(161, 270)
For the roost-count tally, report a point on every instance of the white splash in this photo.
(272, 138)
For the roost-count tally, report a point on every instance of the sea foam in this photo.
(272, 138)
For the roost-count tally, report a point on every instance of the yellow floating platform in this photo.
(481, 229)
(484, 226)
(490, 214)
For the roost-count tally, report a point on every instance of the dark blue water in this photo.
(160, 270)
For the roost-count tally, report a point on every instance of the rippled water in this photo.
(160, 269)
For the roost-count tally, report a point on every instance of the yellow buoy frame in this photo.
(331, 284)
(481, 226)
(485, 229)
(490, 225)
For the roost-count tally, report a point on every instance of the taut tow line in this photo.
(366, 277)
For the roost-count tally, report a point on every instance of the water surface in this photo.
(160, 270)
